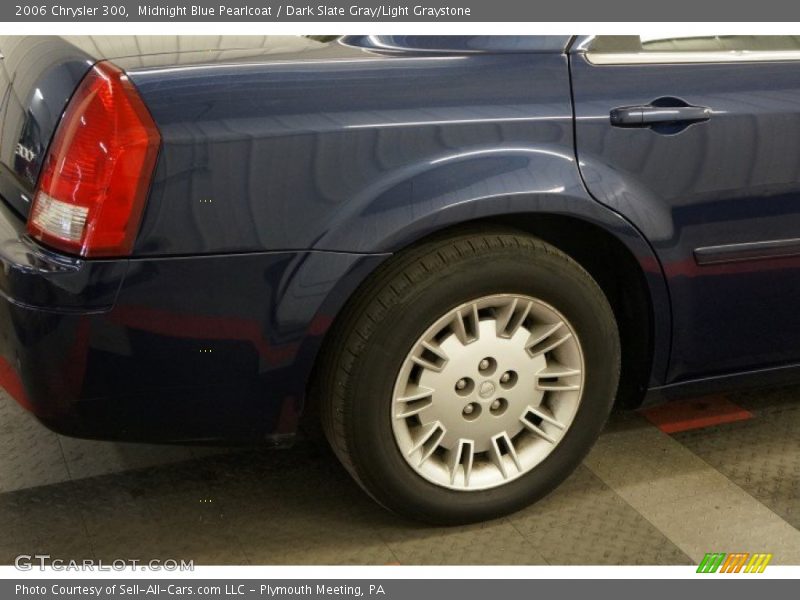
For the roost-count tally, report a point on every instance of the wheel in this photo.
(470, 376)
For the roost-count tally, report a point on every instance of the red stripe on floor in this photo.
(695, 413)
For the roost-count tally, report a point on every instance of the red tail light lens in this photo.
(96, 175)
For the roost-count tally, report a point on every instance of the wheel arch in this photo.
(624, 282)
(614, 254)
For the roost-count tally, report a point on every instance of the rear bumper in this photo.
(211, 348)
(44, 300)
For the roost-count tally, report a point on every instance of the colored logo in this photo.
(738, 562)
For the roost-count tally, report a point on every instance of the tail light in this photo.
(94, 182)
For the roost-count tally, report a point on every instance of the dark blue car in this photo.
(457, 253)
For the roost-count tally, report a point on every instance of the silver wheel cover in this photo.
(487, 392)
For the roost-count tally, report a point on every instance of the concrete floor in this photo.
(641, 497)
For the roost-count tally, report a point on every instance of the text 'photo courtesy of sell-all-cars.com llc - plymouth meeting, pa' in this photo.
(456, 253)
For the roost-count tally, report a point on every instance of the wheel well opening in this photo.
(622, 280)
(605, 258)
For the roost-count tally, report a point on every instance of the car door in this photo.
(697, 142)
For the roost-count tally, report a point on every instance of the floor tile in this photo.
(89, 458)
(761, 456)
(492, 543)
(30, 455)
(585, 522)
(697, 507)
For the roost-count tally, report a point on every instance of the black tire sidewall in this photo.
(552, 279)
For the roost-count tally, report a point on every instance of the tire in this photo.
(373, 344)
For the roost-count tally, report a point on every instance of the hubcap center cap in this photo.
(487, 390)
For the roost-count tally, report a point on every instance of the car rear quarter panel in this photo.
(338, 151)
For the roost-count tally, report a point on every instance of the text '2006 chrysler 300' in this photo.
(456, 252)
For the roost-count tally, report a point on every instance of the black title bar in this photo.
(406, 11)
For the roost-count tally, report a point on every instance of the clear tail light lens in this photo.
(94, 182)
